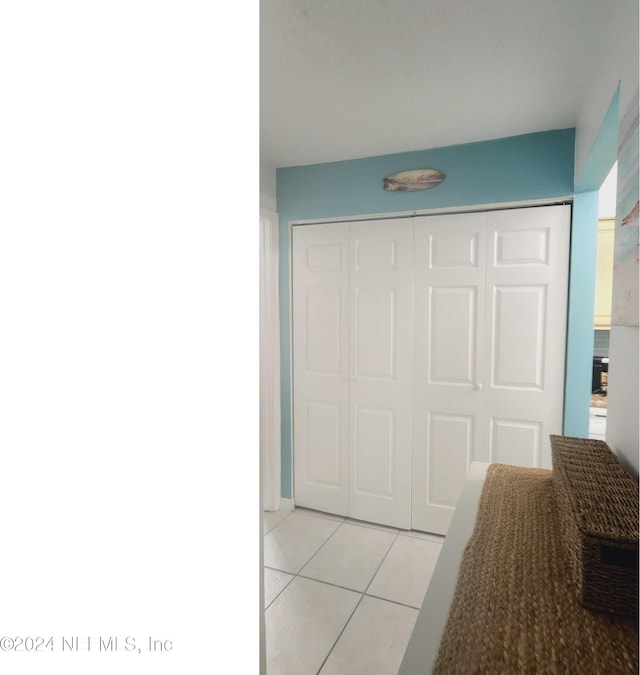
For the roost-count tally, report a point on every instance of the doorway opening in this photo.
(602, 308)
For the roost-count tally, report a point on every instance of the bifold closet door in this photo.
(490, 315)
(320, 367)
(380, 371)
(352, 360)
(527, 293)
(450, 253)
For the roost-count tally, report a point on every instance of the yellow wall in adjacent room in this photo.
(604, 273)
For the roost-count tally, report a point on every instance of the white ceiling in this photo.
(342, 79)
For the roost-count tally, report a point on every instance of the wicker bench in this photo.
(508, 592)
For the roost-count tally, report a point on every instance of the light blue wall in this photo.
(534, 166)
(582, 275)
(520, 168)
(582, 281)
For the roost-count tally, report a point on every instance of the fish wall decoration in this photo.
(413, 180)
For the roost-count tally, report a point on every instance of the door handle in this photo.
(478, 385)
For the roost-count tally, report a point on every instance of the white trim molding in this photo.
(448, 210)
(269, 362)
(287, 504)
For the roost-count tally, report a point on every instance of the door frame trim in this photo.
(473, 208)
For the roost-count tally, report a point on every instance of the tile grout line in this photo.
(343, 588)
(364, 593)
(381, 563)
(276, 569)
(344, 521)
(329, 583)
(358, 604)
(302, 576)
(356, 523)
(296, 574)
(264, 534)
(318, 550)
(393, 602)
(277, 595)
(396, 534)
(341, 632)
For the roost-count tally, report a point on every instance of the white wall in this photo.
(622, 406)
(268, 202)
(618, 62)
(268, 188)
(607, 194)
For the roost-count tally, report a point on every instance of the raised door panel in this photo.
(320, 367)
(323, 350)
(449, 452)
(375, 332)
(452, 325)
(323, 443)
(517, 442)
(374, 449)
(526, 245)
(519, 320)
(381, 301)
(450, 250)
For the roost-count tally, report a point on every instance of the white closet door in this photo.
(380, 351)
(491, 301)
(527, 288)
(448, 403)
(320, 366)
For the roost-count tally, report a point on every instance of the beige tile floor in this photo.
(341, 596)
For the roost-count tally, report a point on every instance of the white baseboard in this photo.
(286, 504)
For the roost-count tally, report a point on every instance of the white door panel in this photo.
(449, 447)
(375, 332)
(519, 318)
(452, 334)
(381, 348)
(516, 442)
(527, 289)
(447, 403)
(320, 367)
(489, 350)
(323, 349)
(374, 446)
(352, 317)
(324, 453)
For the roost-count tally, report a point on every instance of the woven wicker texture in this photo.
(515, 609)
(598, 510)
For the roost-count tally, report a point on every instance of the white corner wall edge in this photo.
(286, 504)
(422, 649)
(623, 434)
